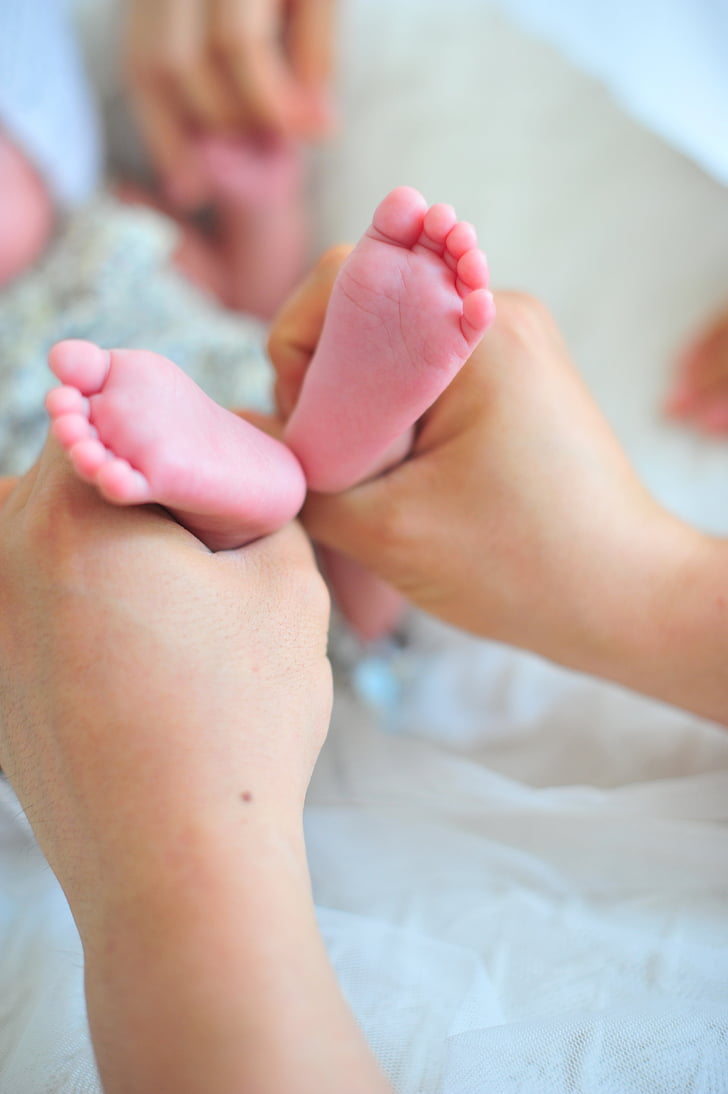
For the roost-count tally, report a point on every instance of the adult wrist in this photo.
(193, 968)
(221, 982)
(158, 875)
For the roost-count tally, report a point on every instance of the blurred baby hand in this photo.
(228, 67)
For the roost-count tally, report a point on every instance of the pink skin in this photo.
(135, 426)
(255, 252)
(408, 308)
(257, 171)
(26, 212)
(405, 313)
(262, 220)
(699, 394)
(415, 292)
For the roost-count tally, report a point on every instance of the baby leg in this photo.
(140, 430)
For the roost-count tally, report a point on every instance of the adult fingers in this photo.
(171, 87)
(246, 37)
(386, 525)
(297, 328)
(165, 133)
(311, 47)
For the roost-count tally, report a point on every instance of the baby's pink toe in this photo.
(80, 364)
(66, 400)
(462, 238)
(439, 222)
(69, 429)
(478, 313)
(472, 268)
(120, 483)
(88, 456)
(400, 216)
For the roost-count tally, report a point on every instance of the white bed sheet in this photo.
(522, 874)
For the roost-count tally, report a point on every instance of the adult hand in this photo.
(518, 516)
(470, 526)
(147, 684)
(162, 711)
(228, 67)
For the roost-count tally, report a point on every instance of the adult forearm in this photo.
(658, 619)
(684, 659)
(221, 983)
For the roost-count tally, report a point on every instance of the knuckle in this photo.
(309, 592)
(526, 317)
(396, 532)
(287, 561)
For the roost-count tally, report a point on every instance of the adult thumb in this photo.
(375, 524)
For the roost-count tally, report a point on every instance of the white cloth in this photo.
(46, 104)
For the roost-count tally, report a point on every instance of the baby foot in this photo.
(140, 430)
(407, 309)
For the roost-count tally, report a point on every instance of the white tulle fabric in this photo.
(521, 874)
